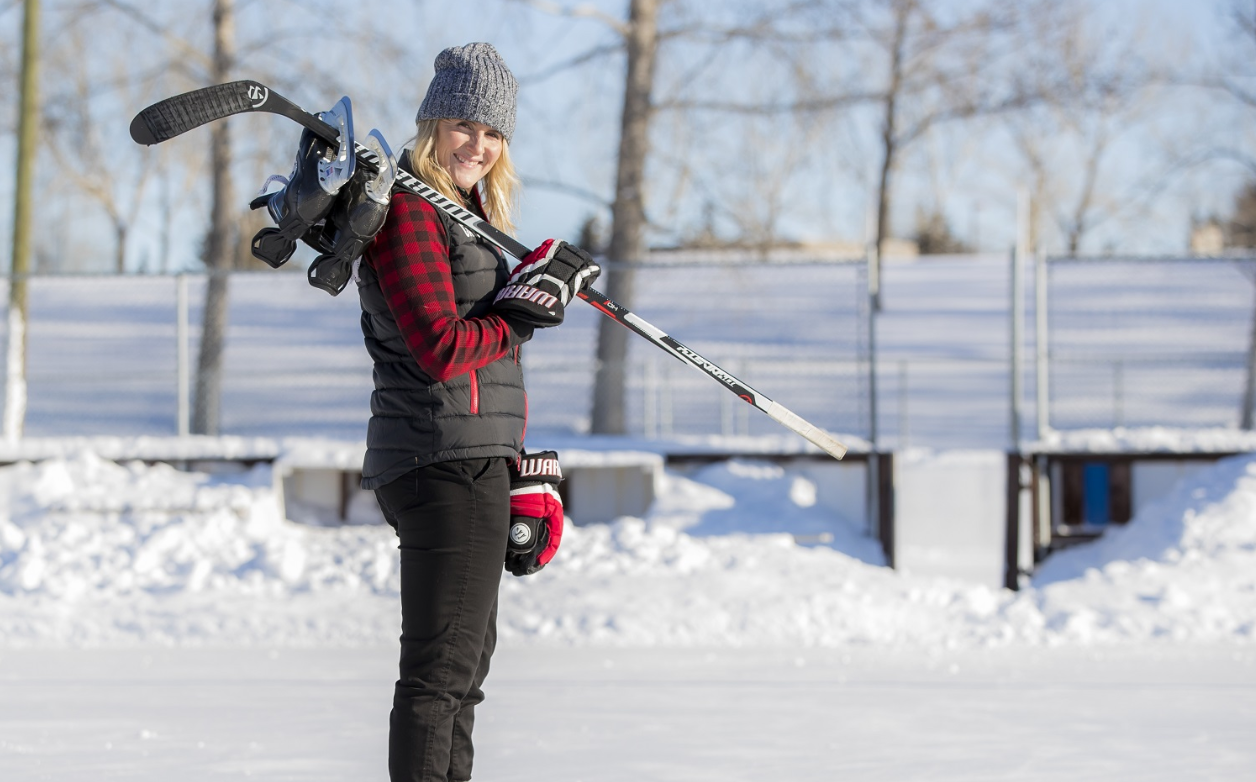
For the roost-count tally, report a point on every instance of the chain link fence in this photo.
(1135, 342)
(103, 357)
(793, 330)
(1129, 342)
(103, 353)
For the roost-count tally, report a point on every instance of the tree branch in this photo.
(577, 12)
(580, 59)
(767, 109)
(563, 187)
(147, 22)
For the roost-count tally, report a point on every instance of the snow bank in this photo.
(92, 551)
(1148, 439)
(95, 552)
(1185, 568)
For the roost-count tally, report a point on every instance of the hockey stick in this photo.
(176, 115)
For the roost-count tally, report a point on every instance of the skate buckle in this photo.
(334, 173)
(379, 187)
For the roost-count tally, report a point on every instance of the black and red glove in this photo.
(536, 512)
(545, 282)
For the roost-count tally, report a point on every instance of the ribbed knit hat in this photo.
(472, 82)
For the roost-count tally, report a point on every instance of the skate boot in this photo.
(355, 219)
(320, 171)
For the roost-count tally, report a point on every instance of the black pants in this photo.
(452, 519)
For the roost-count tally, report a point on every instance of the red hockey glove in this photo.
(546, 282)
(536, 512)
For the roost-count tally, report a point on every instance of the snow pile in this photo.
(716, 562)
(632, 583)
(1147, 439)
(96, 552)
(743, 497)
(92, 550)
(1185, 569)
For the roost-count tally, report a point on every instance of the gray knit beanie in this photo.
(472, 82)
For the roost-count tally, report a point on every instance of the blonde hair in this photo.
(499, 189)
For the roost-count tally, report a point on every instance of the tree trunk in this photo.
(628, 222)
(27, 146)
(120, 233)
(889, 142)
(883, 201)
(1249, 388)
(219, 246)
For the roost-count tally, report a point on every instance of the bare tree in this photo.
(641, 37)
(220, 241)
(27, 147)
(934, 64)
(628, 220)
(1240, 231)
(74, 132)
(1092, 90)
(934, 236)
(10, 53)
(1236, 77)
(97, 178)
(189, 58)
(638, 36)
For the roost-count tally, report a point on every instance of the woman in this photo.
(448, 412)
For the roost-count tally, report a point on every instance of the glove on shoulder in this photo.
(545, 282)
(536, 512)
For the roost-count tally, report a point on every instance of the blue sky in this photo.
(568, 128)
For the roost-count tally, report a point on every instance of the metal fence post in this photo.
(904, 418)
(872, 258)
(1249, 385)
(182, 351)
(728, 424)
(665, 402)
(649, 399)
(1018, 313)
(741, 420)
(1042, 371)
(1118, 393)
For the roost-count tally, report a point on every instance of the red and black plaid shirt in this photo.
(411, 257)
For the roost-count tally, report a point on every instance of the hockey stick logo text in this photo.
(707, 366)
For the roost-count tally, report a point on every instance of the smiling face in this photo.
(467, 150)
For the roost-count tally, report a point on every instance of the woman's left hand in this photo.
(546, 282)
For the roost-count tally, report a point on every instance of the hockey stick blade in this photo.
(177, 115)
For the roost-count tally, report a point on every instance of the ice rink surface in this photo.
(605, 715)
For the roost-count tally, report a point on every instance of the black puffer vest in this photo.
(416, 420)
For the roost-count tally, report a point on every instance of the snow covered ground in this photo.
(157, 623)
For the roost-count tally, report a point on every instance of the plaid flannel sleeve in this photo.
(412, 262)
